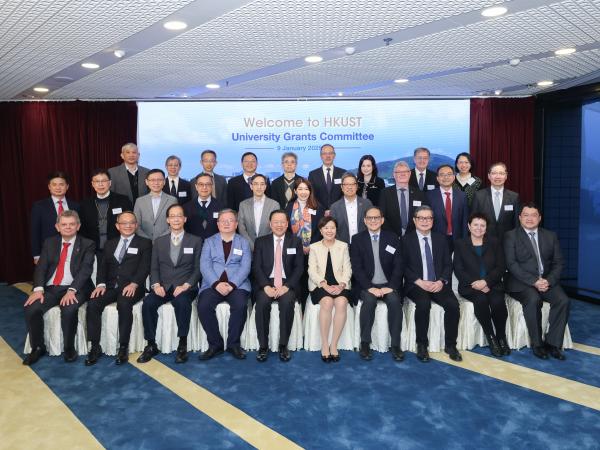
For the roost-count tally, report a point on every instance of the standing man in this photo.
(254, 211)
(350, 210)
(61, 277)
(421, 178)
(150, 208)
(427, 278)
(174, 276)
(208, 159)
(238, 188)
(277, 267)
(534, 262)
(377, 265)
(45, 212)
(226, 262)
(128, 178)
(282, 188)
(202, 212)
(175, 186)
(121, 278)
(500, 205)
(327, 179)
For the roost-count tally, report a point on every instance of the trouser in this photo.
(367, 315)
(262, 311)
(447, 300)
(183, 311)
(207, 304)
(489, 308)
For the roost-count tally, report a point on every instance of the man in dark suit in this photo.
(427, 278)
(399, 202)
(500, 205)
(535, 262)
(202, 212)
(277, 267)
(420, 177)
(121, 278)
(349, 210)
(377, 267)
(99, 212)
(208, 159)
(238, 188)
(175, 185)
(449, 205)
(282, 188)
(128, 178)
(44, 212)
(174, 276)
(61, 277)
(327, 179)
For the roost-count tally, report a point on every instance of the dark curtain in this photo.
(502, 129)
(37, 138)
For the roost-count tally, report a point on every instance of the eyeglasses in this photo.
(173, 216)
(401, 171)
(424, 219)
(227, 221)
(156, 180)
(445, 175)
(204, 184)
(497, 173)
(128, 224)
(101, 181)
(348, 184)
(209, 161)
(373, 218)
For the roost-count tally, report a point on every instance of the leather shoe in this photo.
(284, 353)
(397, 354)
(325, 358)
(70, 355)
(182, 355)
(150, 351)
(210, 353)
(122, 356)
(556, 353)
(422, 353)
(494, 345)
(540, 352)
(262, 355)
(34, 356)
(453, 353)
(504, 346)
(93, 355)
(335, 358)
(237, 352)
(365, 352)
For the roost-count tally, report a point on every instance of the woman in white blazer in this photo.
(329, 273)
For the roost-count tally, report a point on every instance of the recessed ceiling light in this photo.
(494, 11)
(175, 25)
(119, 53)
(89, 65)
(350, 50)
(565, 51)
(313, 59)
(41, 89)
(213, 86)
(62, 78)
(401, 80)
(545, 83)
(340, 94)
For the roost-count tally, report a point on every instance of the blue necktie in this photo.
(421, 181)
(403, 210)
(429, 261)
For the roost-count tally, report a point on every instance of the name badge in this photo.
(508, 207)
(416, 202)
(117, 210)
(337, 181)
(182, 194)
(390, 249)
(312, 212)
(215, 215)
(237, 251)
(188, 250)
(291, 251)
(430, 187)
(132, 250)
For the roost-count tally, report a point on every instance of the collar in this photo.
(173, 178)
(351, 201)
(102, 197)
(261, 200)
(129, 238)
(153, 195)
(56, 199)
(133, 169)
(63, 240)
(421, 235)
(178, 234)
(501, 190)
(275, 238)
(208, 199)
(535, 230)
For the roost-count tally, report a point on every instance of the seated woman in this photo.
(465, 180)
(329, 273)
(369, 184)
(479, 266)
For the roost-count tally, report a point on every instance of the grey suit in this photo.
(246, 222)
(150, 226)
(120, 181)
(339, 213)
(220, 184)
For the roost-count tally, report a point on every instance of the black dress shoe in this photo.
(397, 354)
(262, 355)
(422, 353)
(453, 353)
(365, 352)
(556, 353)
(122, 355)
(70, 355)
(150, 351)
(335, 358)
(495, 349)
(182, 355)
(93, 356)
(210, 353)
(284, 353)
(325, 358)
(540, 352)
(34, 356)
(237, 352)
(504, 346)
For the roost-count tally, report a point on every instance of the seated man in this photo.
(174, 276)
(377, 267)
(277, 267)
(61, 277)
(534, 262)
(225, 261)
(150, 208)
(121, 278)
(428, 277)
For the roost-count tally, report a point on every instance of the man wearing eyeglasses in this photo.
(349, 210)
(202, 212)
(150, 208)
(208, 159)
(427, 278)
(377, 265)
(327, 179)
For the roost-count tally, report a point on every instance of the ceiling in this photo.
(256, 49)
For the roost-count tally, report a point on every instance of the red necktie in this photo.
(60, 269)
(60, 207)
(448, 214)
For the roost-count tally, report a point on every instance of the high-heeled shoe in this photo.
(335, 358)
(325, 358)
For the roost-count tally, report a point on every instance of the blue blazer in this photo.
(43, 219)
(212, 262)
(460, 212)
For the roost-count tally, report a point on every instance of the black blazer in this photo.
(239, 190)
(263, 261)
(374, 188)
(317, 179)
(430, 180)
(82, 263)
(184, 190)
(194, 220)
(278, 187)
(88, 213)
(413, 265)
(467, 264)
(388, 203)
(43, 219)
(315, 235)
(187, 269)
(134, 268)
(460, 212)
(508, 218)
(220, 187)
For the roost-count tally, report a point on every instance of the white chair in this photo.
(470, 332)
(381, 340)
(312, 333)
(250, 338)
(436, 327)
(166, 329)
(109, 338)
(223, 312)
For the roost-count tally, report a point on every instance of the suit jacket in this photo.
(508, 218)
(149, 226)
(220, 184)
(413, 266)
(317, 263)
(317, 179)
(120, 181)
(430, 180)
(134, 268)
(237, 266)
(339, 213)
(278, 188)
(521, 261)
(315, 235)
(264, 256)
(81, 266)
(88, 212)
(246, 222)
(239, 190)
(194, 221)
(460, 212)
(187, 269)
(43, 221)
(467, 264)
(388, 202)
(184, 190)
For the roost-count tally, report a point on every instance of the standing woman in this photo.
(465, 180)
(369, 184)
(329, 273)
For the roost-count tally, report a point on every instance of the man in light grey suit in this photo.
(128, 178)
(208, 159)
(349, 210)
(150, 209)
(254, 212)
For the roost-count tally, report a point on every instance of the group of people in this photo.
(335, 237)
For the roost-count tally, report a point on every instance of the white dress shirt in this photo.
(207, 201)
(258, 209)
(352, 216)
(55, 202)
(324, 168)
(422, 247)
(173, 179)
(155, 202)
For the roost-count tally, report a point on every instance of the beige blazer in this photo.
(317, 263)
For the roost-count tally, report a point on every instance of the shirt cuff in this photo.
(38, 289)
(102, 285)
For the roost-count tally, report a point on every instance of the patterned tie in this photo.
(278, 273)
(429, 261)
(537, 253)
(173, 189)
(497, 204)
(421, 181)
(204, 213)
(288, 191)
(328, 179)
(60, 207)
(60, 269)
(175, 240)
(448, 214)
(123, 251)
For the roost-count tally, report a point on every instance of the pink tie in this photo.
(278, 280)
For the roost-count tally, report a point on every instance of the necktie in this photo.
(213, 191)
(537, 253)
(249, 181)
(403, 209)
(204, 214)
(497, 204)
(375, 237)
(429, 261)
(173, 189)
(421, 181)
(288, 190)
(278, 273)
(328, 179)
(123, 251)
(448, 214)
(60, 269)
(175, 240)
(203, 204)
(60, 207)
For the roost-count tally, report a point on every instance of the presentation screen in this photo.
(387, 129)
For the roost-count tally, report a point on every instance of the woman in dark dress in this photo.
(465, 180)
(369, 184)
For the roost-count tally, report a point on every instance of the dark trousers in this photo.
(124, 307)
(447, 300)
(262, 310)
(367, 315)
(34, 316)
(207, 304)
(489, 308)
(183, 311)
(303, 285)
(531, 300)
